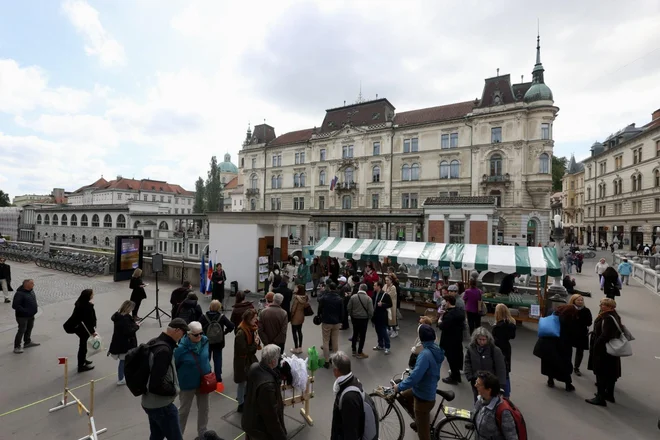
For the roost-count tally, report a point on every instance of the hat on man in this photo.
(179, 324)
(426, 333)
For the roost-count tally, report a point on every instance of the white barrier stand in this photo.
(93, 433)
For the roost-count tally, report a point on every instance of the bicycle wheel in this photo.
(390, 419)
(454, 428)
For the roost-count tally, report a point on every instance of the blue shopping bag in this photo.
(549, 327)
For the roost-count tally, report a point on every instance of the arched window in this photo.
(65, 220)
(107, 221)
(303, 178)
(375, 174)
(544, 163)
(95, 221)
(73, 238)
(348, 175)
(121, 221)
(54, 237)
(273, 182)
(346, 202)
(55, 220)
(47, 220)
(83, 220)
(405, 172)
(498, 197)
(322, 178)
(107, 241)
(74, 220)
(95, 240)
(496, 165)
(414, 171)
(163, 226)
(296, 180)
(39, 217)
(84, 239)
(253, 204)
(454, 168)
(64, 238)
(136, 224)
(254, 182)
(444, 169)
(38, 235)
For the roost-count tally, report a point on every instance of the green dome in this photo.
(538, 92)
(227, 166)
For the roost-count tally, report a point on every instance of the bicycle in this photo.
(456, 424)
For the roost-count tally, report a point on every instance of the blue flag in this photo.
(202, 277)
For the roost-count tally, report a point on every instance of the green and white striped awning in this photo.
(508, 259)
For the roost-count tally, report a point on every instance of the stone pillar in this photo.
(277, 242)
(304, 235)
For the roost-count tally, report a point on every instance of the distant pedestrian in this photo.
(218, 283)
(483, 355)
(246, 344)
(25, 305)
(610, 283)
(178, 296)
(451, 339)
(5, 279)
(579, 261)
(472, 300)
(625, 269)
(503, 331)
(273, 323)
(606, 367)
(138, 293)
(240, 306)
(382, 303)
(556, 352)
(361, 309)
(600, 268)
(83, 321)
(331, 313)
(580, 331)
(123, 337)
(316, 271)
(189, 309)
(216, 326)
(274, 278)
(299, 304)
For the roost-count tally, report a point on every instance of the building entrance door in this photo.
(531, 232)
(348, 230)
(636, 237)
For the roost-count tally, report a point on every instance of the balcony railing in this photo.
(346, 186)
(496, 179)
(25, 226)
(252, 192)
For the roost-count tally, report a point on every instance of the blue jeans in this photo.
(507, 387)
(216, 355)
(164, 423)
(120, 370)
(240, 392)
(383, 336)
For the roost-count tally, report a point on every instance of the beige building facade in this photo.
(371, 161)
(572, 203)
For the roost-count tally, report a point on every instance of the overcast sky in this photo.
(153, 88)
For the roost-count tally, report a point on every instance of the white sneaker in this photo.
(387, 351)
(121, 382)
(394, 335)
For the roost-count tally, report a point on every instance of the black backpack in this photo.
(215, 332)
(137, 369)
(186, 313)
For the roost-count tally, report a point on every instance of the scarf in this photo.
(339, 381)
(578, 307)
(249, 331)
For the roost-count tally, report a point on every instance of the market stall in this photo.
(421, 261)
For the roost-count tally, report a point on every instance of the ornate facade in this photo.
(572, 202)
(376, 166)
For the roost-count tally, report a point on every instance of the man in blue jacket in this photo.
(625, 269)
(418, 389)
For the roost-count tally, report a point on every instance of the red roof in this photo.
(137, 185)
(98, 184)
(434, 114)
(233, 183)
(361, 114)
(292, 137)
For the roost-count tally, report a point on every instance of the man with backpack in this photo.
(496, 417)
(178, 296)
(418, 389)
(215, 326)
(150, 373)
(353, 414)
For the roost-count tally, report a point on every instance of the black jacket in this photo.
(263, 415)
(123, 336)
(348, 423)
(226, 324)
(190, 310)
(25, 303)
(84, 314)
(556, 353)
(288, 296)
(5, 274)
(138, 293)
(331, 308)
(503, 332)
(580, 329)
(452, 325)
(508, 284)
(380, 312)
(237, 313)
(218, 289)
(178, 296)
(159, 384)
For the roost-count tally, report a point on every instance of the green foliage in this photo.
(4, 199)
(558, 171)
(213, 187)
(200, 200)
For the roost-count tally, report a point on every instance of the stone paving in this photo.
(550, 414)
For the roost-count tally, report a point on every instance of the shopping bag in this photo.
(94, 345)
(549, 327)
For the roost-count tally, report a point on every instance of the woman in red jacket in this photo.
(370, 277)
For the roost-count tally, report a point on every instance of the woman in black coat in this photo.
(556, 353)
(606, 367)
(503, 331)
(218, 284)
(451, 339)
(84, 319)
(380, 320)
(611, 283)
(123, 337)
(138, 293)
(580, 331)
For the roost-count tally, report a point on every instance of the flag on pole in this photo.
(333, 183)
(61, 361)
(209, 274)
(202, 277)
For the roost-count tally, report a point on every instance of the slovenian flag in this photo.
(202, 276)
(333, 183)
(209, 274)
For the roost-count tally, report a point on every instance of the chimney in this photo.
(118, 176)
(655, 115)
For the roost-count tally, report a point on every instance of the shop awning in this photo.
(508, 259)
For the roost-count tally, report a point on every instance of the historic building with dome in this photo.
(367, 169)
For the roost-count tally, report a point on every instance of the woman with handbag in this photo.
(137, 293)
(123, 337)
(390, 288)
(299, 306)
(610, 283)
(605, 366)
(193, 368)
(84, 319)
(556, 351)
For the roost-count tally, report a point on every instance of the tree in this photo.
(4, 199)
(200, 191)
(558, 171)
(213, 187)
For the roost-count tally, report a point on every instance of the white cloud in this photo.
(98, 42)
(26, 88)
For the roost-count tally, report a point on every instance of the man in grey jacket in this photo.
(361, 309)
(25, 304)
